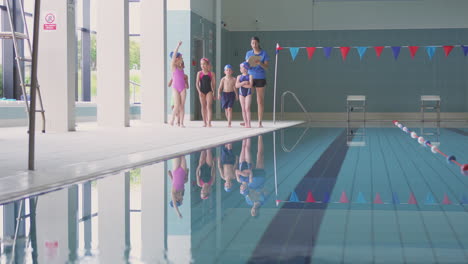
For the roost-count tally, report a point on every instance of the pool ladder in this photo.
(298, 102)
(285, 149)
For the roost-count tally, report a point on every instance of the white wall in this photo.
(277, 15)
(178, 5)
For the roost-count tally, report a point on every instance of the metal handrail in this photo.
(297, 100)
(285, 149)
(134, 84)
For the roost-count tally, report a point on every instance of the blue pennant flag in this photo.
(360, 198)
(465, 49)
(294, 52)
(430, 52)
(361, 51)
(464, 199)
(396, 51)
(395, 198)
(326, 198)
(430, 199)
(327, 51)
(293, 197)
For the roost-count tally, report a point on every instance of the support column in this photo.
(113, 106)
(153, 61)
(219, 67)
(114, 218)
(86, 52)
(52, 227)
(153, 213)
(57, 64)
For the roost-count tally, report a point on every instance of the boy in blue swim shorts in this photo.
(227, 92)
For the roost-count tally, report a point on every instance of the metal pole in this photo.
(32, 108)
(274, 90)
(274, 165)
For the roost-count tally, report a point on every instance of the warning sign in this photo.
(49, 21)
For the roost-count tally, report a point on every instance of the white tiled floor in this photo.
(66, 158)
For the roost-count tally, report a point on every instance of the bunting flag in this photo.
(362, 51)
(377, 199)
(310, 198)
(294, 52)
(430, 199)
(447, 50)
(293, 197)
(327, 51)
(446, 199)
(430, 52)
(278, 48)
(310, 52)
(344, 52)
(396, 51)
(413, 50)
(465, 49)
(378, 50)
(412, 199)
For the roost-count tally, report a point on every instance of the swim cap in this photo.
(172, 53)
(228, 66)
(245, 65)
(205, 59)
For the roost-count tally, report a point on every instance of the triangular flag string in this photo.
(396, 51)
(378, 50)
(430, 52)
(310, 52)
(465, 49)
(361, 51)
(447, 50)
(327, 51)
(294, 52)
(413, 50)
(344, 52)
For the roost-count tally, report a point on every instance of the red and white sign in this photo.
(49, 21)
(51, 249)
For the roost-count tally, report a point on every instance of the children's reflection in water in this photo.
(251, 176)
(226, 166)
(206, 173)
(179, 176)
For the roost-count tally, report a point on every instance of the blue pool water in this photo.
(316, 195)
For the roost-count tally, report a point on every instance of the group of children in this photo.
(230, 90)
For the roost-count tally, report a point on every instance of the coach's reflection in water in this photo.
(179, 176)
(252, 176)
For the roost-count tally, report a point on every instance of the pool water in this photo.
(299, 195)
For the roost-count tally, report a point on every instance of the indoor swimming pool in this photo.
(298, 195)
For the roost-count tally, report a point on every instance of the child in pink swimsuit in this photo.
(178, 85)
(179, 176)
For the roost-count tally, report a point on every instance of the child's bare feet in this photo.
(260, 124)
(209, 125)
(204, 125)
(242, 124)
(182, 126)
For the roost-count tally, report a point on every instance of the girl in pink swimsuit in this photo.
(178, 85)
(179, 176)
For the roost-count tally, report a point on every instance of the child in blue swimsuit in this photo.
(244, 83)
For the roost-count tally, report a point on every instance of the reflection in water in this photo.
(177, 212)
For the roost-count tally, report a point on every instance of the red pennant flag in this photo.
(344, 52)
(310, 198)
(412, 199)
(378, 50)
(446, 199)
(413, 50)
(447, 50)
(377, 199)
(344, 198)
(310, 52)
